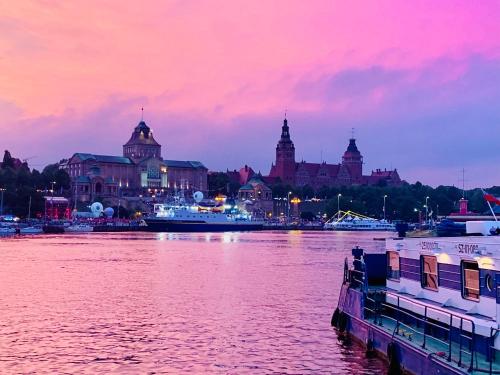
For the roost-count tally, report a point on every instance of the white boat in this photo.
(31, 230)
(198, 217)
(79, 228)
(351, 221)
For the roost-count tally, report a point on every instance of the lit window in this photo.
(470, 280)
(393, 265)
(429, 272)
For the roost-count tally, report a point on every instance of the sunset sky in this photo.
(419, 81)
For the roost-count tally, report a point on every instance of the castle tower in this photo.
(141, 144)
(353, 160)
(284, 167)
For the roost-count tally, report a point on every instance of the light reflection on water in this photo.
(175, 303)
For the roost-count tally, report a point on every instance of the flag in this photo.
(491, 198)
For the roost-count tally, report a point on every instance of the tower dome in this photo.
(141, 143)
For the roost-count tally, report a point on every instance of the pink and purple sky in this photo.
(419, 81)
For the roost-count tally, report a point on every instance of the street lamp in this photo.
(385, 197)
(338, 205)
(1, 202)
(52, 200)
(426, 209)
(288, 203)
(416, 210)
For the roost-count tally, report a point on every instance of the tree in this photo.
(217, 183)
(8, 161)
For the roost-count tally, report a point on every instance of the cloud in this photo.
(418, 81)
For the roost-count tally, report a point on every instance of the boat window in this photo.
(470, 280)
(429, 272)
(392, 265)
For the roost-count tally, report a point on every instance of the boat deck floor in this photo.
(437, 348)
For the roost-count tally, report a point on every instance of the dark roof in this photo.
(103, 158)
(142, 135)
(184, 164)
(352, 146)
(313, 169)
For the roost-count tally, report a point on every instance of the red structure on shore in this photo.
(57, 208)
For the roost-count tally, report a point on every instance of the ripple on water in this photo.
(223, 303)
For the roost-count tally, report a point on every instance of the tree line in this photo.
(406, 202)
(19, 183)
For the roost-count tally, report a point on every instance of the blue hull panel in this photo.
(168, 226)
(413, 359)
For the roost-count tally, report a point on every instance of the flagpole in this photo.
(491, 208)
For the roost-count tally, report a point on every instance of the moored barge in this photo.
(429, 305)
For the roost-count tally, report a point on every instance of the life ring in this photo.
(393, 357)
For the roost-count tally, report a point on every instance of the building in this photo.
(242, 176)
(257, 196)
(141, 170)
(349, 172)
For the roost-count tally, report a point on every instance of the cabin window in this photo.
(470, 280)
(429, 272)
(392, 265)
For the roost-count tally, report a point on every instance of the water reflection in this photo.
(176, 303)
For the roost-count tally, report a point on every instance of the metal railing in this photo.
(455, 331)
(492, 351)
(401, 316)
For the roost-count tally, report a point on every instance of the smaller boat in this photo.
(79, 228)
(351, 221)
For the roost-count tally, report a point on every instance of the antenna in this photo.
(142, 113)
(352, 133)
(463, 183)
(285, 112)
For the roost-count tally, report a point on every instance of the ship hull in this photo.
(412, 359)
(186, 226)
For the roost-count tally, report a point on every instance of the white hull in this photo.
(79, 229)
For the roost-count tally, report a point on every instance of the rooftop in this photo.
(103, 158)
(184, 164)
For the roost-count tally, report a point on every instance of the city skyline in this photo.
(420, 83)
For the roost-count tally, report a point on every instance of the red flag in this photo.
(492, 199)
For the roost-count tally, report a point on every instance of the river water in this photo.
(138, 303)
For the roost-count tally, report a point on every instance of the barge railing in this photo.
(376, 306)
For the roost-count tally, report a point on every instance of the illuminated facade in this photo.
(140, 170)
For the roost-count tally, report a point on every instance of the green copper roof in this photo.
(103, 158)
(82, 179)
(184, 164)
(246, 187)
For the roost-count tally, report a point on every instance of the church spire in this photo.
(285, 131)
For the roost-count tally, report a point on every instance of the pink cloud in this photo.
(74, 76)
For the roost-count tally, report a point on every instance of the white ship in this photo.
(351, 221)
(197, 217)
